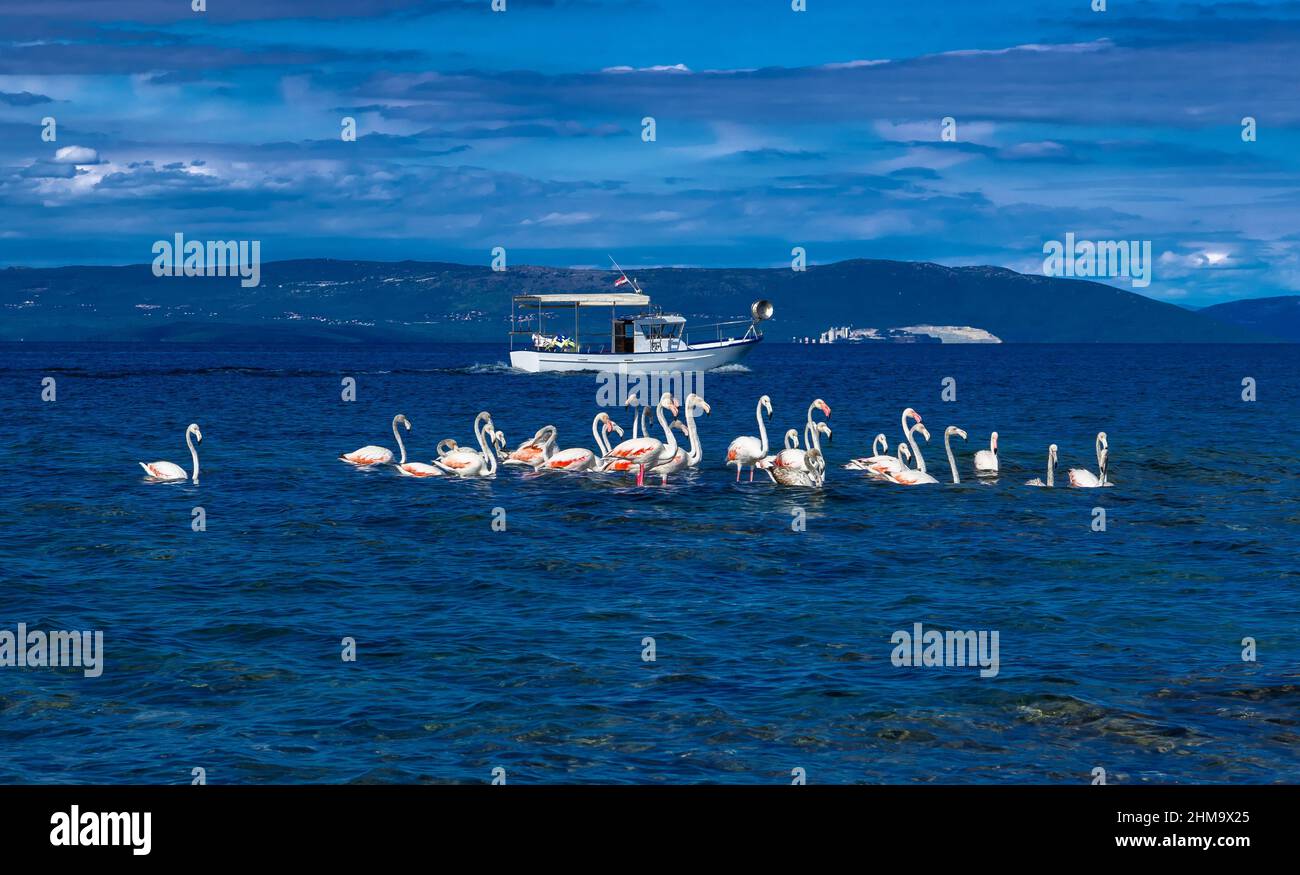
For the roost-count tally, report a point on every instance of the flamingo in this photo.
(416, 469)
(464, 462)
(1085, 479)
(791, 443)
(1051, 470)
(371, 454)
(883, 467)
(749, 450)
(813, 473)
(917, 476)
(647, 451)
(168, 472)
(792, 456)
(947, 446)
(794, 459)
(986, 461)
(879, 453)
(580, 458)
(533, 453)
(682, 458)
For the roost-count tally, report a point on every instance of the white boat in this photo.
(647, 340)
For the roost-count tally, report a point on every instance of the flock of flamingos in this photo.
(643, 454)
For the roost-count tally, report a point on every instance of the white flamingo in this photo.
(883, 467)
(464, 462)
(532, 453)
(749, 450)
(986, 461)
(644, 452)
(1051, 470)
(682, 458)
(879, 453)
(371, 454)
(917, 476)
(792, 456)
(947, 446)
(790, 466)
(581, 458)
(169, 472)
(1083, 478)
(416, 469)
(791, 443)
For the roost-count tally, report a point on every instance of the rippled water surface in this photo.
(523, 649)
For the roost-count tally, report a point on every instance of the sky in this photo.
(774, 129)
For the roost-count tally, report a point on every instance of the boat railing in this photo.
(716, 329)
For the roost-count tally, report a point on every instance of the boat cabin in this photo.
(554, 323)
(657, 333)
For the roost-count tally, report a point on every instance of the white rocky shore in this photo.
(954, 333)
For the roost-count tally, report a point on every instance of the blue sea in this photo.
(525, 649)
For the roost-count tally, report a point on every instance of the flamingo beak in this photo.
(826, 408)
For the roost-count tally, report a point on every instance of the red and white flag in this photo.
(620, 281)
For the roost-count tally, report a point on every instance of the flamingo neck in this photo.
(697, 452)
(489, 455)
(671, 449)
(916, 451)
(811, 439)
(1051, 471)
(762, 430)
(595, 433)
(401, 446)
(194, 455)
(952, 462)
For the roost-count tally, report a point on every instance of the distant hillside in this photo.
(322, 300)
(1273, 317)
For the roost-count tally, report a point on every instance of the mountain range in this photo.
(324, 300)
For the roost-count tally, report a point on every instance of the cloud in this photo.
(76, 155)
(23, 98)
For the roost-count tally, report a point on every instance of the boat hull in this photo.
(699, 357)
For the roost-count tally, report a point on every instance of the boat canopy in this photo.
(583, 300)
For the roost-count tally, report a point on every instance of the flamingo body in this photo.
(164, 470)
(575, 459)
(368, 455)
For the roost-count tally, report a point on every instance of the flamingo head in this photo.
(912, 414)
(1101, 441)
(993, 442)
(546, 434)
(498, 437)
(825, 429)
(904, 451)
(406, 423)
(766, 403)
(633, 400)
(1051, 455)
(667, 400)
(194, 430)
(698, 403)
(952, 429)
(925, 432)
(791, 439)
(822, 406)
(681, 426)
(610, 425)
